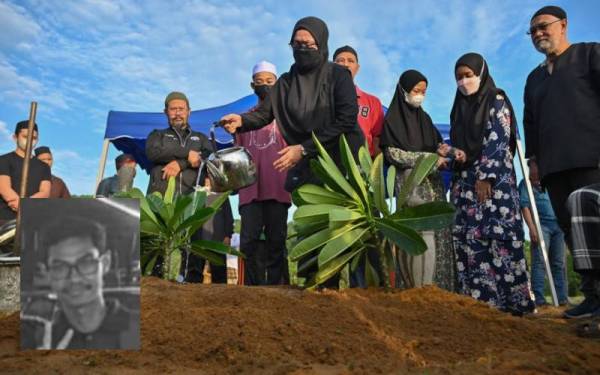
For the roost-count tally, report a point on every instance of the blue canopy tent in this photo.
(128, 130)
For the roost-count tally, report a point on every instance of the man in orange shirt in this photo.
(370, 110)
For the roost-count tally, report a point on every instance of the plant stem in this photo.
(385, 272)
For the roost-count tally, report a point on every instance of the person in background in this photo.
(59, 188)
(370, 110)
(488, 230)
(555, 245)
(11, 169)
(264, 205)
(561, 117)
(408, 134)
(120, 182)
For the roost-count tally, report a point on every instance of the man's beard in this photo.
(545, 46)
(178, 122)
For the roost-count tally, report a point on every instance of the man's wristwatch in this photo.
(304, 153)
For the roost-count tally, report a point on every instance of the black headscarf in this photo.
(470, 113)
(406, 127)
(300, 101)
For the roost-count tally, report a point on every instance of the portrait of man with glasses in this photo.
(82, 293)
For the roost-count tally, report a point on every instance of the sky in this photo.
(80, 59)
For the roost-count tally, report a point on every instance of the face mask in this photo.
(23, 144)
(414, 100)
(262, 91)
(469, 86)
(306, 58)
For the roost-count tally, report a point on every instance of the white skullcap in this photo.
(264, 66)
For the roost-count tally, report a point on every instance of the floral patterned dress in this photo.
(488, 237)
(430, 190)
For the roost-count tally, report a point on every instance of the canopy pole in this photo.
(536, 220)
(102, 164)
(25, 175)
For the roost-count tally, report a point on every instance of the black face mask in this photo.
(306, 58)
(262, 91)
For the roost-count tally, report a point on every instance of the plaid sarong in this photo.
(584, 208)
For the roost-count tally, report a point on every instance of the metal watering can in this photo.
(228, 169)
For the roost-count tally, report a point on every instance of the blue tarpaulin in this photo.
(128, 130)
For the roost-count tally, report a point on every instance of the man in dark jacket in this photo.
(176, 151)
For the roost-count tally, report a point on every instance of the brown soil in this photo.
(212, 329)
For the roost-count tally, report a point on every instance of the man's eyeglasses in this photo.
(540, 26)
(298, 45)
(85, 266)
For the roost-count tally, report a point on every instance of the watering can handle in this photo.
(212, 135)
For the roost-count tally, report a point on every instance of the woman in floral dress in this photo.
(409, 133)
(488, 230)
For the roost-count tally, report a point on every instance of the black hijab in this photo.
(301, 101)
(406, 127)
(470, 113)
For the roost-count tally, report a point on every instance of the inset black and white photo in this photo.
(80, 274)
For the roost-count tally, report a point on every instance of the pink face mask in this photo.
(469, 86)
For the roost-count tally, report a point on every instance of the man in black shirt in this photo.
(178, 150)
(562, 127)
(11, 168)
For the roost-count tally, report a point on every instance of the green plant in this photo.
(167, 224)
(336, 224)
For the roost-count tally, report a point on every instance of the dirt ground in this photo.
(217, 329)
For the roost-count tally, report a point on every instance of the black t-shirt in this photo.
(11, 165)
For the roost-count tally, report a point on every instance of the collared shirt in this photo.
(370, 117)
(120, 329)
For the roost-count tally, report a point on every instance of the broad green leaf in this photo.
(212, 257)
(338, 245)
(216, 204)
(333, 171)
(150, 227)
(170, 192)
(365, 160)
(422, 168)
(356, 180)
(195, 221)
(377, 183)
(297, 200)
(406, 238)
(427, 216)
(146, 213)
(159, 207)
(198, 202)
(305, 230)
(308, 263)
(391, 181)
(316, 241)
(332, 268)
(181, 203)
(216, 247)
(149, 266)
(344, 214)
(313, 212)
(314, 194)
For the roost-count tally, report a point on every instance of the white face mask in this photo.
(414, 100)
(23, 144)
(469, 86)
